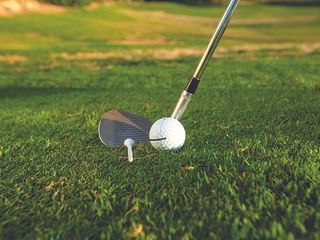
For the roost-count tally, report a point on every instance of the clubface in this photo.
(116, 126)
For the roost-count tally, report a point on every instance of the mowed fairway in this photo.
(250, 166)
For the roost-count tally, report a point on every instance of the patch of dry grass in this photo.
(170, 54)
(12, 58)
(15, 7)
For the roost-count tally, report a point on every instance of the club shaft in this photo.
(191, 88)
(215, 39)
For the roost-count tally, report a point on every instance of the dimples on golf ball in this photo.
(168, 128)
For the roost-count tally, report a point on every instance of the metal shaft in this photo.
(191, 88)
(215, 39)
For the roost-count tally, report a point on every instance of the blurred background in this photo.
(83, 2)
(106, 28)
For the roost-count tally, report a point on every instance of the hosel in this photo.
(182, 104)
(185, 98)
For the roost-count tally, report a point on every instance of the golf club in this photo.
(191, 87)
(118, 128)
(170, 127)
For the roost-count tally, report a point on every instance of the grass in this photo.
(250, 164)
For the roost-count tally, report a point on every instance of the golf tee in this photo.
(129, 143)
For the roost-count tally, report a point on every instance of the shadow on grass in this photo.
(21, 92)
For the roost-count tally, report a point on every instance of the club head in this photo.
(117, 125)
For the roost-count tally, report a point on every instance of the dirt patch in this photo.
(92, 6)
(145, 42)
(157, 54)
(90, 66)
(309, 48)
(303, 48)
(170, 54)
(95, 5)
(82, 55)
(12, 58)
(14, 7)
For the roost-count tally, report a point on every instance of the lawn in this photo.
(250, 166)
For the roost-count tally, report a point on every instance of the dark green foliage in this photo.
(68, 2)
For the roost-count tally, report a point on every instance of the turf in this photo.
(250, 167)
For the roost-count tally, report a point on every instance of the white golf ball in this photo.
(170, 129)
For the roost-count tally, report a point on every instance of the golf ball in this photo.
(170, 129)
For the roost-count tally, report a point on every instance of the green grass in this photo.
(250, 167)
